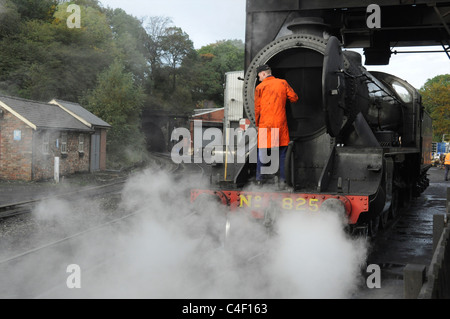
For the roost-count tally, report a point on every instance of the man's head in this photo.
(263, 71)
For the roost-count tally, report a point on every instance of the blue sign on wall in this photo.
(17, 135)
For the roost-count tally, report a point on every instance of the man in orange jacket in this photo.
(270, 118)
(447, 165)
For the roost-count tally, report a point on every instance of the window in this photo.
(81, 143)
(402, 92)
(64, 143)
(46, 143)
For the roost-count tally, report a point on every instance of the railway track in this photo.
(161, 160)
(38, 269)
(24, 207)
(165, 161)
(42, 272)
(34, 266)
(39, 272)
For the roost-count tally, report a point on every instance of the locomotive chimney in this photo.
(310, 25)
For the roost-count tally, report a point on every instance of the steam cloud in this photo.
(168, 251)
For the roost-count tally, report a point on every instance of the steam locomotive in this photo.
(360, 141)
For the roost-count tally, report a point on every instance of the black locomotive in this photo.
(360, 141)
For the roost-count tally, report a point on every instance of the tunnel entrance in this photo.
(154, 137)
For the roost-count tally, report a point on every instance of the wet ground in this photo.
(12, 192)
(409, 240)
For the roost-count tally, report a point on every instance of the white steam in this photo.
(169, 251)
(315, 258)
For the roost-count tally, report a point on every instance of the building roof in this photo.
(201, 112)
(40, 115)
(79, 112)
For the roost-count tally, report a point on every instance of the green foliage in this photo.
(156, 29)
(175, 45)
(36, 9)
(118, 101)
(211, 64)
(436, 99)
(9, 18)
(51, 60)
(129, 41)
(111, 64)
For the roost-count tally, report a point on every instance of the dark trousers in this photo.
(447, 168)
(264, 156)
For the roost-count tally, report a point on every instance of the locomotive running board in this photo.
(352, 169)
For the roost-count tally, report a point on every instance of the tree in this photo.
(9, 18)
(46, 59)
(211, 64)
(106, 62)
(129, 38)
(436, 99)
(176, 45)
(167, 48)
(119, 101)
(36, 9)
(156, 29)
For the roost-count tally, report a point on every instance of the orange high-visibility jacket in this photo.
(270, 111)
(447, 159)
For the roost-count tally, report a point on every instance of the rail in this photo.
(17, 208)
(162, 160)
